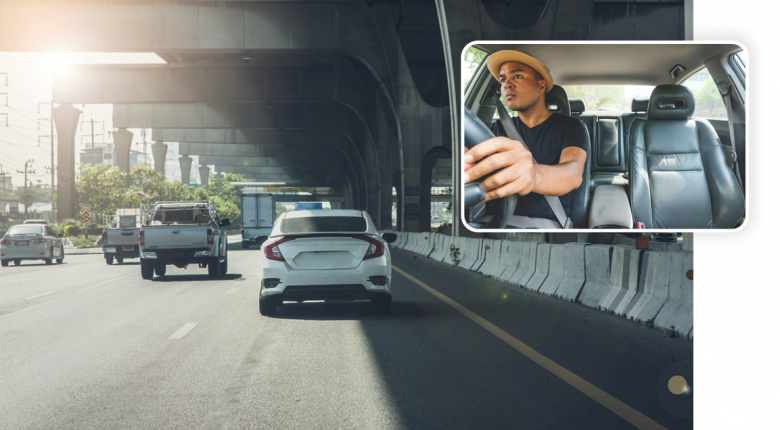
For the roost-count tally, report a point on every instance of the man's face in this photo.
(519, 87)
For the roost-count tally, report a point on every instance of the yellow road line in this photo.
(623, 410)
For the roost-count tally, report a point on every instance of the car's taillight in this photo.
(104, 237)
(272, 251)
(5, 242)
(375, 247)
(141, 238)
(39, 240)
(210, 237)
(242, 232)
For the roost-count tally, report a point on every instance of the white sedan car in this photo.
(31, 242)
(325, 255)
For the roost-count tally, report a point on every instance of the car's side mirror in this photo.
(224, 222)
(260, 239)
(59, 234)
(389, 237)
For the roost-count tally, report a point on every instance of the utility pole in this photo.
(2, 181)
(143, 136)
(26, 196)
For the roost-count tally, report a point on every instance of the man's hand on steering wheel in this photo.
(518, 174)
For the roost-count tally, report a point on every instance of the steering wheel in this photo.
(476, 132)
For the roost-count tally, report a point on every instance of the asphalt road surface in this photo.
(86, 345)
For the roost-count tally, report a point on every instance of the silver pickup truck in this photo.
(120, 237)
(182, 233)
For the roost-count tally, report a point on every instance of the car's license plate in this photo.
(127, 248)
(22, 242)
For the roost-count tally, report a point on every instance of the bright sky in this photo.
(26, 79)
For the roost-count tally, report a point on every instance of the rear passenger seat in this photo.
(609, 141)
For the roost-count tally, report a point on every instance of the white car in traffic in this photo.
(36, 241)
(325, 255)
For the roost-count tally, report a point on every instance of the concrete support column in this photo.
(687, 242)
(185, 162)
(122, 140)
(411, 199)
(159, 150)
(66, 119)
(204, 176)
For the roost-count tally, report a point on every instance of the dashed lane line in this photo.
(183, 331)
(40, 295)
(232, 290)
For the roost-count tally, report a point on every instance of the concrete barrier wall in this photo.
(431, 244)
(438, 246)
(426, 244)
(598, 260)
(574, 271)
(475, 256)
(527, 266)
(469, 251)
(655, 289)
(491, 263)
(411, 241)
(541, 268)
(677, 312)
(511, 254)
(624, 278)
(555, 270)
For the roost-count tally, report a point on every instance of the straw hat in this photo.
(496, 59)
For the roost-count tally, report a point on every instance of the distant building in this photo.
(106, 154)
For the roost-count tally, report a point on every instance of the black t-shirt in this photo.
(546, 141)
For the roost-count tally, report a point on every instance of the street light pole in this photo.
(26, 196)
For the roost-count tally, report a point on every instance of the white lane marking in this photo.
(232, 290)
(40, 295)
(183, 331)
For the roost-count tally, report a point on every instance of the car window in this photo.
(25, 229)
(50, 231)
(320, 224)
(472, 58)
(608, 98)
(709, 104)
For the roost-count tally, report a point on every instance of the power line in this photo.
(18, 94)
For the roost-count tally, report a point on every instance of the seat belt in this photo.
(512, 133)
(725, 92)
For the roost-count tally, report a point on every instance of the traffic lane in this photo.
(22, 286)
(622, 358)
(103, 355)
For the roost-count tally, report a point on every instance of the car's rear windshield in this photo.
(25, 229)
(322, 224)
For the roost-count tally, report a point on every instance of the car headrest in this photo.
(577, 105)
(557, 100)
(670, 102)
(639, 104)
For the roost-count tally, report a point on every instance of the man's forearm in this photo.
(557, 180)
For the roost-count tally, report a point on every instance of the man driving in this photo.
(557, 142)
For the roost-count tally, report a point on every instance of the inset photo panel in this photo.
(608, 137)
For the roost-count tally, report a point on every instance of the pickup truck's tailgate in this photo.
(119, 237)
(164, 237)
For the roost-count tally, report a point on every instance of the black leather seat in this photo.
(638, 110)
(679, 176)
(557, 101)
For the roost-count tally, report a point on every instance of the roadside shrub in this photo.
(72, 230)
(70, 221)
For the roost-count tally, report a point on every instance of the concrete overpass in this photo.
(359, 96)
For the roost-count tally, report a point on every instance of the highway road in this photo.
(87, 345)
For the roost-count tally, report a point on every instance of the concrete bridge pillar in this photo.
(66, 119)
(204, 176)
(122, 140)
(411, 199)
(159, 150)
(687, 242)
(186, 163)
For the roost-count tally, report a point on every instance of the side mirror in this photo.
(59, 234)
(224, 222)
(260, 239)
(389, 237)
